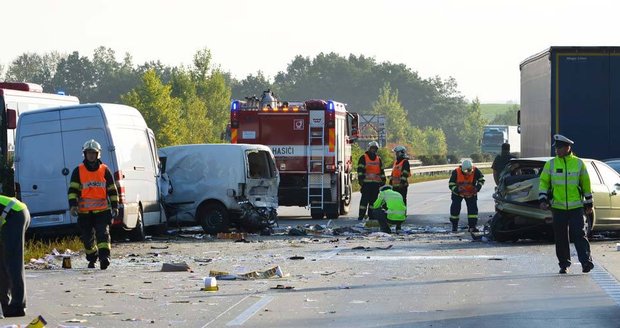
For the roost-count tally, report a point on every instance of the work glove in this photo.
(74, 211)
(114, 213)
(544, 204)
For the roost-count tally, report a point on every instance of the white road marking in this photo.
(230, 308)
(419, 257)
(607, 282)
(247, 314)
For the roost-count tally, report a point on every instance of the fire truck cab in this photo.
(311, 142)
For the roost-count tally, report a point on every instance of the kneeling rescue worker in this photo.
(14, 220)
(389, 208)
(93, 198)
(465, 183)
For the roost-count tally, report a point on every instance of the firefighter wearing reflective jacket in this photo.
(389, 208)
(371, 177)
(465, 182)
(14, 220)
(564, 184)
(93, 198)
(400, 172)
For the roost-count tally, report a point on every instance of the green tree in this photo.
(473, 125)
(75, 75)
(193, 109)
(34, 68)
(509, 117)
(250, 86)
(160, 110)
(213, 90)
(396, 119)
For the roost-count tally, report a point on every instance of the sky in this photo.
(480, 43)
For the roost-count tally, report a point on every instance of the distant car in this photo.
(517, 208)
(614, 163)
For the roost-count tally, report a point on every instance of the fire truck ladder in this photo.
(316, 166)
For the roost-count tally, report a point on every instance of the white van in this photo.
(49, 146)
(221, 185)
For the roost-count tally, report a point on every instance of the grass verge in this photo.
(37, 248)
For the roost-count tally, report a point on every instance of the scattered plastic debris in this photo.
(296, 257)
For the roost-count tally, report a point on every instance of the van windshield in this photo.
(260, 165)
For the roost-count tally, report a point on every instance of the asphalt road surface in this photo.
(427, 277)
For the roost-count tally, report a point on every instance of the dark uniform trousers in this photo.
(472, 207)
(403, 192)
(565, 221)
(12, 276)
(95, 225)
(370, 192)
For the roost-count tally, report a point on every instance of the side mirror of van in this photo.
(11, 119)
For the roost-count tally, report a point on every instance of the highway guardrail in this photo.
(433, 169)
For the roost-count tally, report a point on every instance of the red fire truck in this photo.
(311, 142)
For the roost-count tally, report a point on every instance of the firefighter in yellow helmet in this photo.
(371, 177)
(400, 172)
(14, 220)
(465, 183)
(93, 198)
(565, 187)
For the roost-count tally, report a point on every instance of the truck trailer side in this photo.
(571, 91)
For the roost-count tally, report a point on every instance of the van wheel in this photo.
(213, 218)
(137, 233)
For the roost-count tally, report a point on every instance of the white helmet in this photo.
(92, 145)
(467, 165)
(373, 144)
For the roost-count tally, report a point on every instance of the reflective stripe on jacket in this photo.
(9, 204)
(373, 169)
(393, 200)
(93, 195)
(567, 178)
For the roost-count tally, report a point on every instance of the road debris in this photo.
(282, 287)
(271, 273)
(175, 267)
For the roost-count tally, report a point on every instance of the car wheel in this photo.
(499, 226)
(213, 218)
(138, 233)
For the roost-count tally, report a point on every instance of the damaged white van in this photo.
(220, 186)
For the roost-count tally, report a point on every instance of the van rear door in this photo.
(49, 150)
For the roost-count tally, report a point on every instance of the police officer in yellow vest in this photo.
(465, 183)
(14, 220)
(565, 187)
(400, 172)
(371, 177)
(389, 208)
(93, 198)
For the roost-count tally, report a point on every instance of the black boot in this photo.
(472, 222)
(455, 225)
